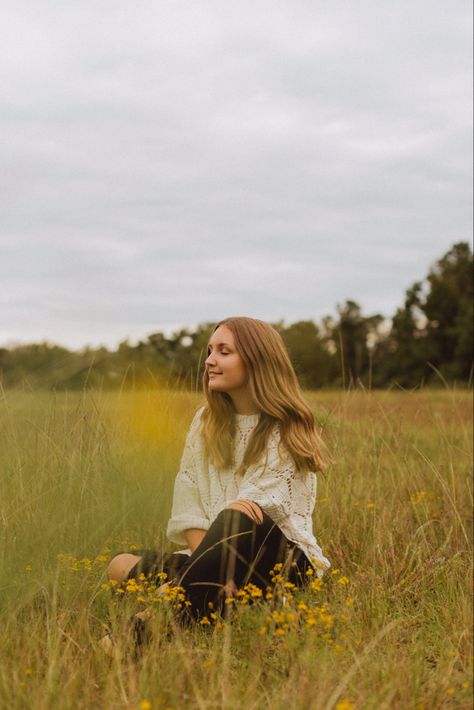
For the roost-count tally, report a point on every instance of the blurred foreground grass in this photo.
(84, 476)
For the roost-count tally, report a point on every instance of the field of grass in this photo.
(84, 476)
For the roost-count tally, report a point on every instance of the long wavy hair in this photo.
(277, 395)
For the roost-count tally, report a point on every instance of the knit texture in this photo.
(286, 495)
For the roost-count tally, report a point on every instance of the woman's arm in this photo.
(277, 487)
(194, 537)
(187, 511)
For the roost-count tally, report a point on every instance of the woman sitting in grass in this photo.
(246, 488)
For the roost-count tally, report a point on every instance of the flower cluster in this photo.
(418, 497)
(144, 589)
(84, 564)
(284, 609)
(317, 619)
(281, 607)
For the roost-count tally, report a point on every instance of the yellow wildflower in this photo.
(344, 705)
(318, 563)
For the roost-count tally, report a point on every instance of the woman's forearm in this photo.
(194, 537)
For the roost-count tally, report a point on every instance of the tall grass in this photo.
(84, 476)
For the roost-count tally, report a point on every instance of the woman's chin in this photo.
(216, 386)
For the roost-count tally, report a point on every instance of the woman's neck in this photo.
(244, 405)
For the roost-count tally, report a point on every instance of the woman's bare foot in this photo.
(140, 633)
(108, 646)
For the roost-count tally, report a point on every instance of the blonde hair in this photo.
(276, 392)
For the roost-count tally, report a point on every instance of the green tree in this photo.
(400, 357)
(350, 336)
(433, 331)
(448, 310)
(313, 363)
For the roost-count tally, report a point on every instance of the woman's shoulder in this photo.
(281, 456)
(198, 413)
(196, 420)
(276, 446)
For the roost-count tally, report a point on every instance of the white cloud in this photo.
(172, 163)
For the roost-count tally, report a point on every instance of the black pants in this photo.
(235, 549)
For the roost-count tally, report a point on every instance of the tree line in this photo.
(429, 341)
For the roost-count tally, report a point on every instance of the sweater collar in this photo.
(245, 421)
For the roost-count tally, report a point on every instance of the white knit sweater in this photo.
(287, 496)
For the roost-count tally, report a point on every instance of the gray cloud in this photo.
(168, 164)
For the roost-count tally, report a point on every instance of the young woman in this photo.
(246, 487)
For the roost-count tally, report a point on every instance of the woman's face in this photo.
(226, 369)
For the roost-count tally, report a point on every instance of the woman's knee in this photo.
(251, 509)
(120, 566)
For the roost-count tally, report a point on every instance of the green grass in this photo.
(84, 476)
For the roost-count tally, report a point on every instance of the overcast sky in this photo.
(170, 163)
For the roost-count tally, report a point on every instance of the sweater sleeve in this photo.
(187, 510)
(279, 488)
